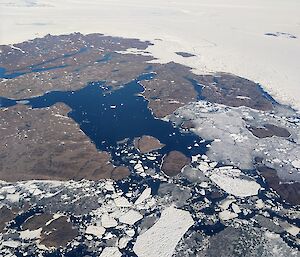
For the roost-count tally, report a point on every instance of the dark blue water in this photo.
(5, 102)
(108, 116)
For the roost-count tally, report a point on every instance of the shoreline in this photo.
(219, 43)
(271, 93)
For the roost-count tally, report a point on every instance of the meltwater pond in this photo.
(108, 116)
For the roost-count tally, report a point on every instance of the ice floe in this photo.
(227, 215)
(162, 238)
(131, 217)
(97, 231)
(145, 195)
(107, 221)
(234, 182)
(111, 252)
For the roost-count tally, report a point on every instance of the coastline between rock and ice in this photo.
(224, 36)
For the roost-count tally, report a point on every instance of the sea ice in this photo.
(162, 238)
(145, 195)
(111, 252)
(122, 202)
(234, 182)
(227, 215)
(97, 231)
(131, 217)
(296, 164)
(108, 221)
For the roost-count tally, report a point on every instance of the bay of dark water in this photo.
(107, 116)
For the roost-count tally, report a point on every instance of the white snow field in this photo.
(226, 36)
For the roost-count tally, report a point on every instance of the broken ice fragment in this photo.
(131, 217)
(108, 221)
(162, 238)
(227, 215)
(97, 231)
(145, 195)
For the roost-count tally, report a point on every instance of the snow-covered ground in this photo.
(224, 35)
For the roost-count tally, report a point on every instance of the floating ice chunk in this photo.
(213, 164)
(291, 229)
(224, 205)
(235, 208)
(195, 158)
(234, 182)
(23, 102)
(109, 186)
(111, 252)
(89, 237)
(227, 215)
(124, 241)
(11, 244)
(97, 231)
(139, 167)
(8, 189)
(162, 238)
(109, 235)
(204, 157)
(259, 204)
(204, 166)
(130, 232)
(131, 217)
(113, 106)
(108, 221)
(37, 192)
(151, 158)
(296, 164)
(13, 198)
(145, 195)
(122, 202)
